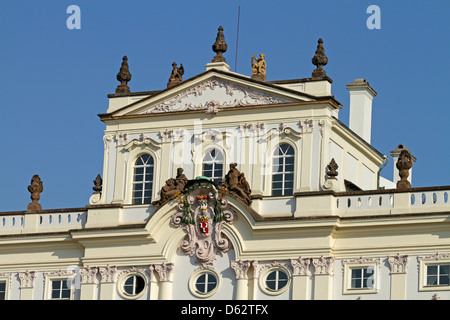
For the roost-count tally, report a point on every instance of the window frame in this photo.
(283, 173)
(350, 265)
(122, 281)
(205, 154)
(193, 282)
(268, 270)
(49, 278)
(144, 182)
(424, 263)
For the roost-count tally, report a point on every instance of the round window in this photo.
(204, 284)
(133, 286)
(276, 280)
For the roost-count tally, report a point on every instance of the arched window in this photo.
(143, 179)
(213, 165)
(283, 170)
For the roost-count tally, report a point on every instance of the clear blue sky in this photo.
(54, 81)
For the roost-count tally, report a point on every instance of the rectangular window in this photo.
(438, 275)
(60, 290)
(361, 276)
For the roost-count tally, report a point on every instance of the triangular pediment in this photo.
(212, 92)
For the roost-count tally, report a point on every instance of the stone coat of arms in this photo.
(202, 212)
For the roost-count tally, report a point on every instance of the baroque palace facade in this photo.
(227, 186)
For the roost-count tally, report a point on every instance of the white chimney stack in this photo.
(361, 97)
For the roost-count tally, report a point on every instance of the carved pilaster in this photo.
(398, 264)
(240, 267)
(164, 271)
(300, 266)
(26, 279)
(89, 275)
(323, 266)
(108, 274)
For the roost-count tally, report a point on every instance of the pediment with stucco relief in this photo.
(213, 94)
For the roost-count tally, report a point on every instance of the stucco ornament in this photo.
(202, 213)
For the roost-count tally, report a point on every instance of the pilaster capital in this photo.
(300, 266)
(240, 267)
(323, 266)
(27, 279)
(398, 264)
(164, 271)
(108, 274)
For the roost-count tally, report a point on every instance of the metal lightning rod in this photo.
(237, 38)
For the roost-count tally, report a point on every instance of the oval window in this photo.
(276, 280)
(134, 285)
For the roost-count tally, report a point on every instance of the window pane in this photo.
(2, 290)
(56, 284)
(444, 280)
(356, 283)
(431, 280)
(140, 284)
(432, 270)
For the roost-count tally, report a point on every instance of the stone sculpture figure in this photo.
(259, 67)
(176, 76)
(35, 188)
(172, 189)
(237, 185)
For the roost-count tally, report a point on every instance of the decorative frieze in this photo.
(242, 96)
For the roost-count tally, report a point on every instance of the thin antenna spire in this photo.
(237, 38)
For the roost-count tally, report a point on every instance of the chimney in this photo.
(361, 97)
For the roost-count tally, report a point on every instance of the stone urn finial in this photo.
(220, 46)
(319, 60)
(403, 165)
(35, 188)
(124, 76)
(332, 169)
(97, 184)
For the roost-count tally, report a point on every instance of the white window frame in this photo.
(213, 162)
(424, 262)
(152, 182)
(283, 173)
(121, 284)
(193, 281)
(268, 270)
(49, 278)
(350, 265)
